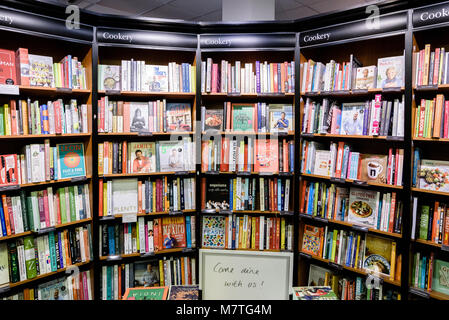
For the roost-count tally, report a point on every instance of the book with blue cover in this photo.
(71, 160)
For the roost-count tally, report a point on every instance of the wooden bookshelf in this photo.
(248, 249)
(350, 181)
(167, 95)
(430, 191)
(124, 175)
(358, 93)
(33, 184)
(248, 133)
(428, 243)
(149, 214)
(47, 136)
(29, 90)
(136, 134)
(135, 255)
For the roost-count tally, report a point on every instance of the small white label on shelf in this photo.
(129, 217)
(9, 89)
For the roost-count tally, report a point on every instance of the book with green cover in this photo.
(71, 160)
(72, 203)
(4, 265)
(424, 222)
(2, 120)
(30, 259)
(243, 117)
(51, 244)
(29, 212)
(14, 262)
(26, 227)
(62, 205)
(440, 281)
(146, 293)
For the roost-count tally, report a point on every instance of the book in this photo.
(41, 71)
(183, 292)
(312, 242)
(4, 265)
(377, 255)
(314, 293)
(7, 67)
(434, 175)
(178, 117)
(156, 78)
(243, 117)
(267, 153)
(171, 156)
(213, 233)
(142, 156)
(322, 159)
(217, 194)
(440, 277)
(146, 274)
(173, 232)
(281, 118)
(366, 77)
(124, 196)
(213, 119)
(146, 293)
(390, 72)
(352, 118)
(108, 77)
(317, 275)
(373, 168)
(71, 161)
(9, 172)
(138, 117)
(363, 207)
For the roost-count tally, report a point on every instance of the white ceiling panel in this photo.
(296, 13)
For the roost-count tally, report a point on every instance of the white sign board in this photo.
(245, 275)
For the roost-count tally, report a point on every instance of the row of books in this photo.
(334, 76)
(262, 194)
(28, 257)
(41, 162)
(151, 116)
(429, 273)
(342, 163)
(351, 249)
(246, 232)
(136, 75)
(254, 154)
(373, 209)
(430, 221)
(73, 287)
(370, 118)
(432, 118)
(351, 288)
(24, 117)
(35, 210)
(430, 67)
(430, 174)
(163, 233)
(261, 77)
(26, 69)
(153, 195)
(145, 157)
(116, 279)
(255, 117)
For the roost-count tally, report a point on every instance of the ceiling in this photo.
(208, 10)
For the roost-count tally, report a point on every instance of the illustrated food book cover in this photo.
(378, 254)
(179, 117)
(71, 160)
(217, 194)
(183, 292)
(363, 206)
(213, 119)
(312, 241)
(171, 156)
(243, 117)
(142, 156)
(434, 175)
(373, 168)
(214, 232)
(267, 153)
(143, 293)
(109, 78)
(314, 293)
(440, 282)
(41, 71)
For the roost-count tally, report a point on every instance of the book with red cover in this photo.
(267, 155)
(8, 170)
(22, 67)
(10, 214)
(6, 215)
(46, 209)
(157, 239)
(7, 67)
(14, 117)
(215, 78)
(173, 232)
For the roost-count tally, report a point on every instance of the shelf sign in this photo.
(360, 28)
(9, 89)
(42, 24)
(431, 15)
(148, 38)
(249, 40)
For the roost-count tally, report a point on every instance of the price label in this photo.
(9, 89)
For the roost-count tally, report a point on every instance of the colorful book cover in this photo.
(366, 77)
(281, 118)
(7, 67)
(142, 293)
(213, 119)
(317, 275)
(377, 255)
(171, 156)
(173, 232)
(138, 117)
(146, 273)
(352, 118)
(322, 160)
(243, 117)
(312, 240)
(440, 280)
(156, 78)
(41, 71)
(124, 196)
(217, 194)
(314, 293)
(373, 168)
(109, 77)
(179, 117)
(8, 170)
(142, 156)
(71, 160)
(184, 292)
(267, 155)
(363, 207)
(434, 175)
(390, 72)
(214, 231)
(4, 264)
(54, 290)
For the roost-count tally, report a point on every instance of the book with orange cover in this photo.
(267, 156)
(224, 165)
(339, 164)
(139, 196)
(436, 217)
(125, 155)
(438, 115)
(204, 155)
(392, 211)
(312, 240)
(126, 119)
(446, 227)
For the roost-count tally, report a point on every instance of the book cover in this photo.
(173, 232)
(214, 231)
(314, 293)
(124, 196)
(390, 72)
(71, 160)
(217, 194)
(109, 77)
(373, 168)
(184, 292)
(352, 115)
(4, 264)
(156, 78)
(312, 240)
(317, 275)
(434, 175)
(322, 159)
(267, 155)
(171, 156)
(146, 273)
(143, 293)
(178, 117)
(377, 255)
(365, 77)
(243, 117)
(138, 116)
(41, 71)
(281, 118)
(7, 67)
(363, 207)
(440, 279)
(213, 119)
(9, 172)
(142, 156)
(54, 290)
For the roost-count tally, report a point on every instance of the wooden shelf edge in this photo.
(133, 255)
(159, 213)
(26, 185)
(430, 191)
(374, 184)
(45, 136)
(124, 175)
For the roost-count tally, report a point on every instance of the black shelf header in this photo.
(245, 41)
(46, 25)
(431, 15)
(147, 38)
(360, 28)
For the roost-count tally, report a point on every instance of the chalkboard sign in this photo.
(245, 275)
